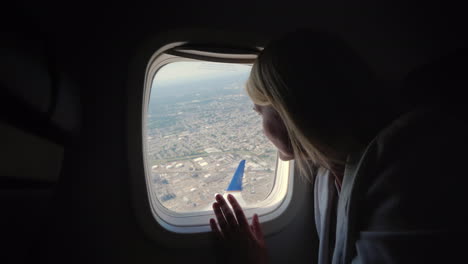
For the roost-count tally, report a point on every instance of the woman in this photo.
(388, 178)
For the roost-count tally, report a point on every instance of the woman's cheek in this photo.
(277, 134)
(285, 156)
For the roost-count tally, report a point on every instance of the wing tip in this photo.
(236, 181)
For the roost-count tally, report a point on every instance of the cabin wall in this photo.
(95, 47)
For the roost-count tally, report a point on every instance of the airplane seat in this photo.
(440, 83)
(38, 116)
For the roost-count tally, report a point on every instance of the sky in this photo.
(195, 70)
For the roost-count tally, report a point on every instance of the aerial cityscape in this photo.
(197, 133)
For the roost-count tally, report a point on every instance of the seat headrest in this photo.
(34, 95)
(440, 81)
(24, 72)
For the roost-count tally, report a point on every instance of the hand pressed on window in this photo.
(243, 243)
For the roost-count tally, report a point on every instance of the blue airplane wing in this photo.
(236, 182)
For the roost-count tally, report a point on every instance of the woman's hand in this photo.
(242, 243)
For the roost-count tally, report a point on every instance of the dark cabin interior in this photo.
(67, 70)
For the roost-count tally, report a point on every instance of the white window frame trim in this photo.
(198, 222)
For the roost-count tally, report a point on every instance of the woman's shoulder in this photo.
(420, 135)
(407, 185)
(416, 164)
(425, 126)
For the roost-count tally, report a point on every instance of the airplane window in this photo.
(200, 130)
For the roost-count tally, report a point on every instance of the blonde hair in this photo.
(266, 88)
(284, 76)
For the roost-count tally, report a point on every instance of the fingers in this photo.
(231, 223)
(215, 229)
(230, 218)
(257, 229)
(241, 219)
(221, 220)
